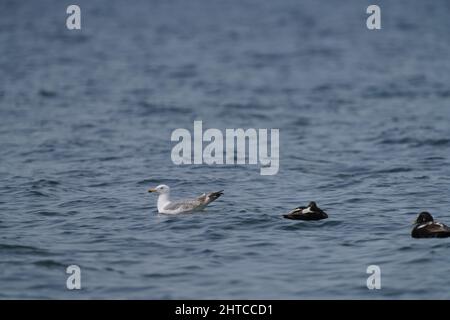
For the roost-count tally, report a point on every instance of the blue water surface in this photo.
(86, 118)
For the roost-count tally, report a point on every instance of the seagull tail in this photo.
(214, 195)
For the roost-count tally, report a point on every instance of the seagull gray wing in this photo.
(193, 204)
(183, 205)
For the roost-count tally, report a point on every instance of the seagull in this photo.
(426, 227)
(166, 206)
(311, 212)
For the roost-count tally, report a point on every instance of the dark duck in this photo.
(426, 227)
(311, 212)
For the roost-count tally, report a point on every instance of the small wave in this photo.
(47, 93)
(308, 225)
(433, 142)
(356, 200)
(405, 248)
(49, 264)
(300, 122)
(260, 244)
(47, 213)
(398, 141)
(419, 260)
(44, 183)
(184, 72)
(21, 249)
(256, 221)
(391, 93)
(296, 226)
(148, 108)
(38, 193)
(72, 203)
(394, 170)
(416, 142)
(165, 275)
(214, 235)
(255, 115)
(332, 223)
(439, 244)
(244, 107)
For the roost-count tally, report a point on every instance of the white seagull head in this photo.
(161, 189)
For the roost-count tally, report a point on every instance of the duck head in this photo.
(424, 217)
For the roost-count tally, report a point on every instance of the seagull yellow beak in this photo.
(151, 190)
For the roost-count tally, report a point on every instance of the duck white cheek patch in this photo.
(307, 210)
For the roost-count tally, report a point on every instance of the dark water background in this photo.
(85, 124)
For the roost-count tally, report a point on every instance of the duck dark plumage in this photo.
(426, 227)
(311, 212)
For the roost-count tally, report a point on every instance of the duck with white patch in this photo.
(167, 206)
(311, 212)
(426, 227)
